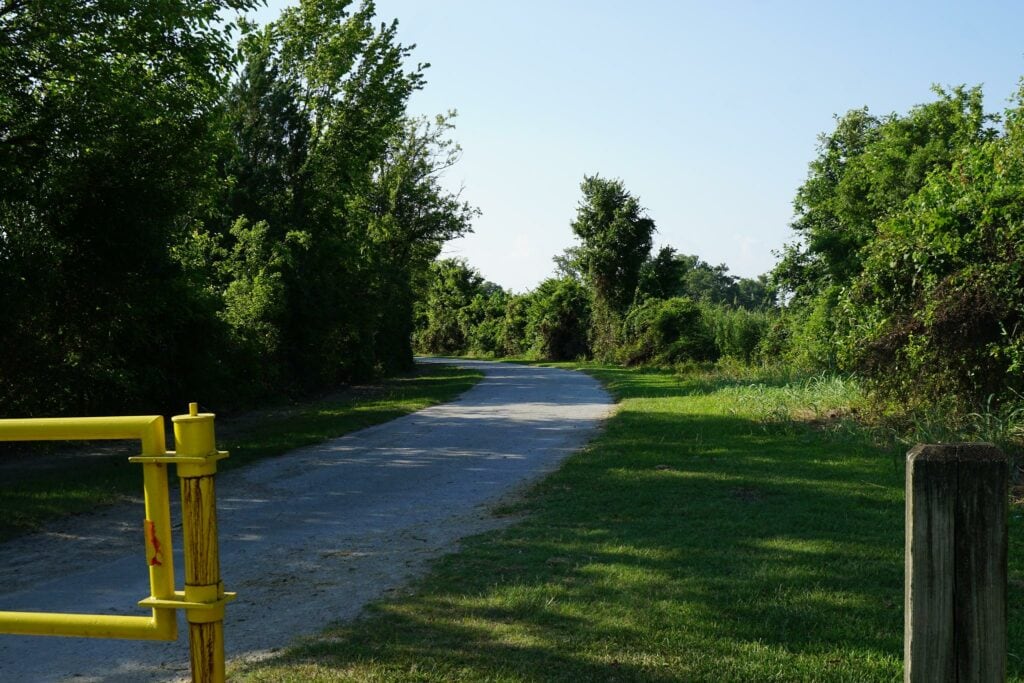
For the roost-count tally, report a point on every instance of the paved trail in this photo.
(309, 537)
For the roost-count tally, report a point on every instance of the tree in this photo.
(168, 226)
(568, 264)
(559, 317)
(326, 156)
(409, 215)
(937, 313)
(353, 89)
(106, 116)
(661, 276)
(514, 339)
(707, 283)
(754, 293)
(615, 239)
(445, 317)
(864, 174)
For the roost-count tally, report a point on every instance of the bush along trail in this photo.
(720, 529)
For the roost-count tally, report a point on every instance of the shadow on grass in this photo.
(681, 546)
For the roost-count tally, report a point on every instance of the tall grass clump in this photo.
(737, 332)
(817, 398)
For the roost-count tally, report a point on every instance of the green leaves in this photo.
(865, 172)
(615, 239)
(179, 214)
(106, 162)
(941, 279)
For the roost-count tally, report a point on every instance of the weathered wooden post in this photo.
(197, 457)
(956, 547)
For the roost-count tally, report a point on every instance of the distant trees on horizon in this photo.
(195, 209)
(907, 270)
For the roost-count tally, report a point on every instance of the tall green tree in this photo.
(661, 275)
(864, 172)
(615, 237)
(353, 89)
(325, 156)
(409, 214)
(106, 161)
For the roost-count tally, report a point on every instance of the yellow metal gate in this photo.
(203, 599)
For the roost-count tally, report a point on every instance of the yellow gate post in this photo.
(195, 456)
(194, 437)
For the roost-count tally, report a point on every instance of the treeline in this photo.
(611, 298)
(908, 270)
(187, 216)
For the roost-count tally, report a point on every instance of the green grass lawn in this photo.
(704, 536)
(30, 496)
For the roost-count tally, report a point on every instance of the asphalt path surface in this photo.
(310, 537)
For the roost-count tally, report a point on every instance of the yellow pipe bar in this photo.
(159, 555)
(85, 625)
(147, 428)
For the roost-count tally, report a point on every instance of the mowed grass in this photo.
(701, 537)
(31, 496)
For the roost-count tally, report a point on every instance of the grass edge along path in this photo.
(30, 500)
(693, 540)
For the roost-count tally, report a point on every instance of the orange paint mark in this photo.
(153, 553)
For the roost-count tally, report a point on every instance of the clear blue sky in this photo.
(709, 112)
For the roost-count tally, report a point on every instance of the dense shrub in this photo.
(559, 320)
(486, 321)
(512, 337)
(867, 170)
(939, 307)
(444, 314)
(666, 330)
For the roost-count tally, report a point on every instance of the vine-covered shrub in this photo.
(667, 331)
(939, 306)
(737, 332)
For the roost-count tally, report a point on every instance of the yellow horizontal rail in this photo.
(87, 625)
(147, 428)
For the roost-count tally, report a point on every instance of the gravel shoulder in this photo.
(312, 536)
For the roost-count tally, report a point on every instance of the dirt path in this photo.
(312, 536)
